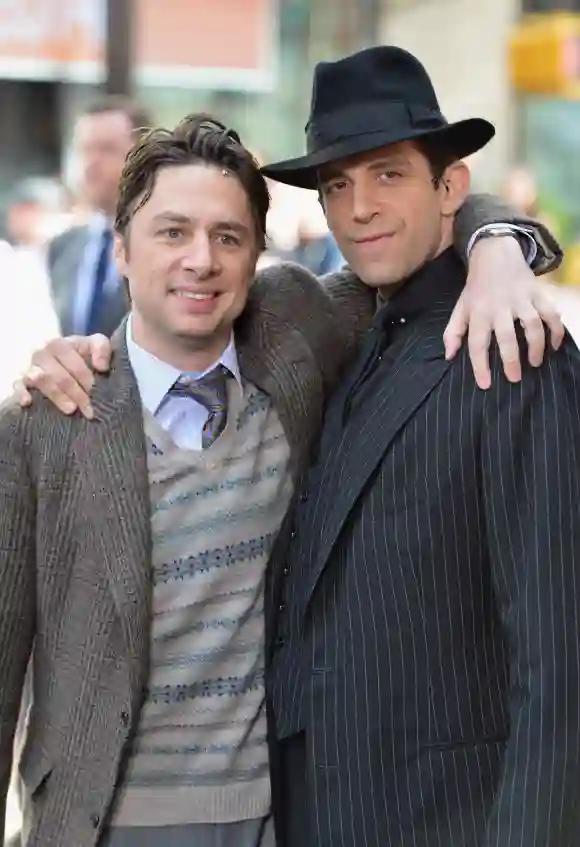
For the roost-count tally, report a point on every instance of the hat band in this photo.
(366, 118)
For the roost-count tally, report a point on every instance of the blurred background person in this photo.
(298, 231)
(37, 211)
(88, 293)
(27, 316)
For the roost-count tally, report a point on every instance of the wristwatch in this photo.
(500, 230)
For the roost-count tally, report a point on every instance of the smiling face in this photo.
(388, 215)
(189, 255)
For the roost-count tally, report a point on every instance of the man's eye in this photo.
(171, 232)
(229, 240)
(389, 176)
(333, 187)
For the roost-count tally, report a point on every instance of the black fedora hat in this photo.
(376, 97)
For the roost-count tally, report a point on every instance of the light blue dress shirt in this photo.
(182, 417)
(85, 287)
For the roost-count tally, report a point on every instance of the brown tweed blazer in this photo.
(75, 549)
(75, 545)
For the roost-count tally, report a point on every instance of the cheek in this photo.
(422, 216)
(240, 275)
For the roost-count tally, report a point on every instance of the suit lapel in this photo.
(113, 448)
(419, 367)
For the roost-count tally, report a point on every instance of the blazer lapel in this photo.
(113, 448)
(420, 366)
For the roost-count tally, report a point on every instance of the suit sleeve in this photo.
(482, 209)
(531, 495)
(17, 582)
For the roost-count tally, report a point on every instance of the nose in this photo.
(199, 257)
(364, 207)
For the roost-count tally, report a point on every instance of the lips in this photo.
(372, 239)
(195, 302)
(195, 295)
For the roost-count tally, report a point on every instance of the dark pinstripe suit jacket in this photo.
(428, 603)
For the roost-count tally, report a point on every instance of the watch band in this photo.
(500, 230)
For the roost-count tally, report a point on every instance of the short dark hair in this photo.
(438, 154)
(199, 138)
(138, 116)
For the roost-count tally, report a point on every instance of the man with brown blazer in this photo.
(143, 616)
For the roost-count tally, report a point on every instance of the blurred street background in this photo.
(516, 62)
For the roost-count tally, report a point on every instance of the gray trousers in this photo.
(254, 833)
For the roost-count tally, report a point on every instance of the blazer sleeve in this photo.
(17, 582)
(531, 494)
(482, 209)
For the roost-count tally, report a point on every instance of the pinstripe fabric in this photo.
(427, 660)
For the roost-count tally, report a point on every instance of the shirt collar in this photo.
(155, 377)
(437, 283)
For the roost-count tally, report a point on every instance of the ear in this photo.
(120, 254)
(455, 186)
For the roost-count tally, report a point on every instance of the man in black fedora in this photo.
(424, 664)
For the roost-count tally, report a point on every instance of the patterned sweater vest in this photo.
(200, 753)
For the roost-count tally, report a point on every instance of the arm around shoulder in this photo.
(330, 313)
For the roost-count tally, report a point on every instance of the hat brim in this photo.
(461, 139)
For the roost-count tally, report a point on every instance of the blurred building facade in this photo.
(517, 63)
(250, 62)
(463, 46)
(247, 61)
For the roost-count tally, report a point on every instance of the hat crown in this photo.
(375, 75)
(369, 100)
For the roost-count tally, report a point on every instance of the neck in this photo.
(387, 291)
(179, 351)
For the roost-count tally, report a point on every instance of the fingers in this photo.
(60, 373)
(509, 350)
(100, 349)
(535, 336)
(58, 386)
(455, 331)
(550, 315)
(61, 361)
(478, 341)
(21, 393)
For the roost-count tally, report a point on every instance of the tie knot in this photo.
(210, 390)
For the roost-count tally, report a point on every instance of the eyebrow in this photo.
(173, 217)
(231, 224)
(387, 162)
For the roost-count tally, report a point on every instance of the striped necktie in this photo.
(211, 392)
